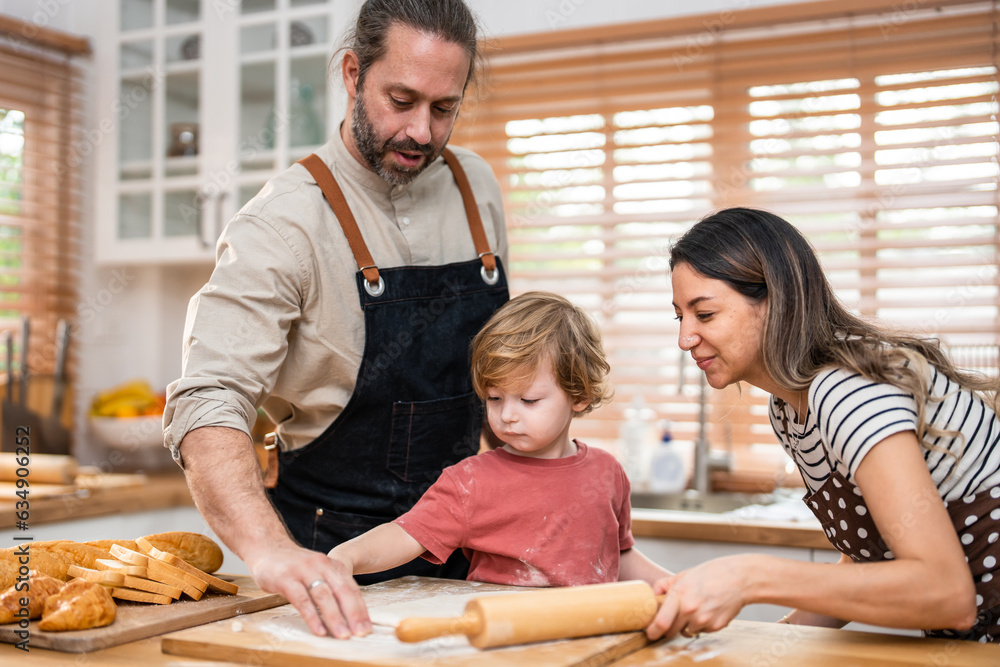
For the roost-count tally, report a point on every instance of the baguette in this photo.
(214, 583)
(51, 558)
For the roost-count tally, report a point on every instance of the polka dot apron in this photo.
(847, 523)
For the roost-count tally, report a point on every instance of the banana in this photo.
(132, 398)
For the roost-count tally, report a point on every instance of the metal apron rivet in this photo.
(489, 277)
(377, 289)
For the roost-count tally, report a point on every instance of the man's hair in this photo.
(533, 327)
(450, 20)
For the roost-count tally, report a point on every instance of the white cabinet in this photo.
(200, 102)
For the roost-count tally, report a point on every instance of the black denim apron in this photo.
(413, 411)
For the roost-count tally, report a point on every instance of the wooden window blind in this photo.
(41, 151)
(870, 125)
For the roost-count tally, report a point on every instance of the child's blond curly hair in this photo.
(533, 327)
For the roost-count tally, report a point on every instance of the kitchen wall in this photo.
(131, 317)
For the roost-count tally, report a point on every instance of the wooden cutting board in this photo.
(138, 621)
(279, 637)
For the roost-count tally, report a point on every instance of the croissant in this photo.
(38, 590)
(80, 605)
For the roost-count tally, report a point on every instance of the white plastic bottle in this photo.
(666, 469)
(635, 433)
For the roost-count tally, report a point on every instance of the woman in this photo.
(882, 426)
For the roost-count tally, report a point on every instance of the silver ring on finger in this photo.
(315, 584)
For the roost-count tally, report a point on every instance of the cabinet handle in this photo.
(199, 225)
(219, 213)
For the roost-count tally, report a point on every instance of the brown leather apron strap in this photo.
(471, 212)
(335, 196)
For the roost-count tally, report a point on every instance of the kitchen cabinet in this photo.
(200, 102)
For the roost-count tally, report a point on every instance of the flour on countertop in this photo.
(438, 606)
(381, 643)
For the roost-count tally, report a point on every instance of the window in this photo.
(872, 126)
(40, 152)
(11, 165)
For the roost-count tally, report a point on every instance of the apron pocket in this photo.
(331, 528)
(428, 436)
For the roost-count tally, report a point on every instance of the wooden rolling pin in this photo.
(42, 468)
(537, 616)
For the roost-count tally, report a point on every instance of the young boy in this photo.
(542, 510)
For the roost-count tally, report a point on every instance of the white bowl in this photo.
(129, 433)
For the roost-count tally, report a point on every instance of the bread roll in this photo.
(198, 550)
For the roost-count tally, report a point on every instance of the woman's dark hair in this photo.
(451, 20)
(807, 328)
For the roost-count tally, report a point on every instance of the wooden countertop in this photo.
(742, 643)
(707, 527)
(102, 495)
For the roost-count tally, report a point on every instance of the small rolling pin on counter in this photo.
(543, 615)
(38, 468)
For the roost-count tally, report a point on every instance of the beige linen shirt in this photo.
(279, 324)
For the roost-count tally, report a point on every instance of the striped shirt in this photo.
(848, 415)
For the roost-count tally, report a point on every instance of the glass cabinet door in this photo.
(211, 99)
(159, 110)
(284, 50)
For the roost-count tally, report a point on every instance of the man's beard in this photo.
(374, 151)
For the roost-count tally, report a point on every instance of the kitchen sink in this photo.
(692, 501)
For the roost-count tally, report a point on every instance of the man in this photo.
(343, 301)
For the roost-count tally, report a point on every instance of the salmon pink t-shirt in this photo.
(527, 521)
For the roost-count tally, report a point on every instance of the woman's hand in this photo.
(704, 598)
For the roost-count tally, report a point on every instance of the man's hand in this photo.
(225, 482)
(321, 589)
